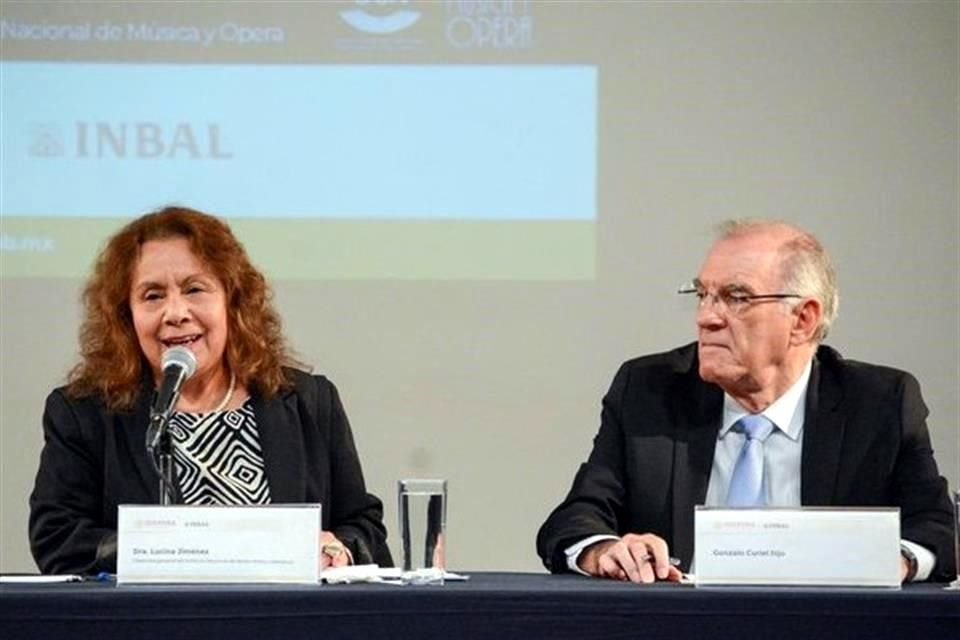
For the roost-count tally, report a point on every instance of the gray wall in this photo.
(840, 117)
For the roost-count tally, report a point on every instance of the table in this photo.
(489, 605)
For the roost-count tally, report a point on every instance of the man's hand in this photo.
(634, 557)
(333, 553)
(904, 568)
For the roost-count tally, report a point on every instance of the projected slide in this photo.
(325, 170)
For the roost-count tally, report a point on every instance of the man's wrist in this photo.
(574, 551)
(912, 563)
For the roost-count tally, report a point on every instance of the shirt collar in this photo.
(787, 412)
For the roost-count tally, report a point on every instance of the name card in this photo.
(804, 546)
(238, 544)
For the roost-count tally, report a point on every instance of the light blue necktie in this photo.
(746, 483)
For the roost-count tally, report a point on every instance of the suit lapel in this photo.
(697, 425)
(280, 439)
(823, 429)
(133, 426)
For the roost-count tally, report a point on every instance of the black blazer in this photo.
(865, 443)
(94, 460)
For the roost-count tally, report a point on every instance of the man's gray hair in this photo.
(806, 267)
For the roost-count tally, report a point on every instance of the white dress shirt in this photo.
(781, 450)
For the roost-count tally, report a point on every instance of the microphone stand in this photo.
(160, 451)
(163, 462)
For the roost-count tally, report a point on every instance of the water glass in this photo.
(423, 521)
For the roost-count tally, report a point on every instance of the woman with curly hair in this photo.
(250, 426)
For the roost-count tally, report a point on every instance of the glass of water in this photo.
(423, 523)
(955, 585)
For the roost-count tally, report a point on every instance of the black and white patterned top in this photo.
(218, 457)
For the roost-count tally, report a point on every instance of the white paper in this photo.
(358, 573)
(55, 579)
(375, 573)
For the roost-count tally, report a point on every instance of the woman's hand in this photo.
(333, 553)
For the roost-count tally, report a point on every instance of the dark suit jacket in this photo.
(865, 443)
(94, 460)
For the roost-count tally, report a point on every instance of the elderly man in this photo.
(674, 425)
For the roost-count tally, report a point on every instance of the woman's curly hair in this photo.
(111, 361)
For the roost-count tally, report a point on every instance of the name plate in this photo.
(245, 544)
(805, 546)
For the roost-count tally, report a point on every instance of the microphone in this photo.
(178, 364)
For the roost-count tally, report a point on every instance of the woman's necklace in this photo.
(226, 399)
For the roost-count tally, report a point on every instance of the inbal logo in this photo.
(380, 16)
(146, 140)
(46, 140)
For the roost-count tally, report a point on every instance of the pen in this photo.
(103, 576)
(674, 562)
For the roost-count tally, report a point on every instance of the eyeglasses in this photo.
(732, 298)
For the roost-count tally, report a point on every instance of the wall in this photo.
(840, 117)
